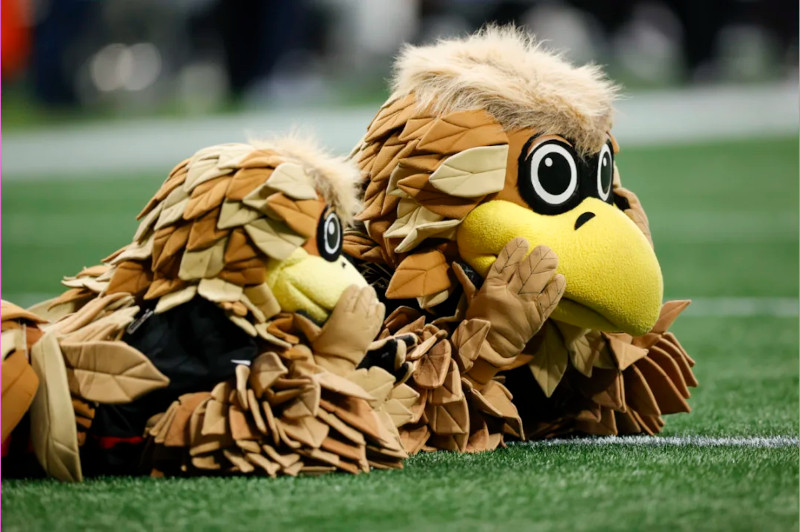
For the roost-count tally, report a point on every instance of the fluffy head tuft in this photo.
(336, 178)
(506, 72)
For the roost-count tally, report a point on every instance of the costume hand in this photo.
(516, 298)
(352, 326)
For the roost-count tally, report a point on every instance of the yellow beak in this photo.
(613, 278)
(310, 283)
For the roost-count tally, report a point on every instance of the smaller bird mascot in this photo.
(495, 220)
(229, 337)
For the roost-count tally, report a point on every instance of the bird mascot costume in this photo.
(496, 225)
(230, 336)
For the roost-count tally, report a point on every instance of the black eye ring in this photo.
(329, 237)
(549, 177)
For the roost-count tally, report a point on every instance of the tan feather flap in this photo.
(447, 411)
(284, 415)
(426, 173)
(109, 372)
(633, 382)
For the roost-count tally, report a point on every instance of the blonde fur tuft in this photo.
(506, 72)
(336, 178)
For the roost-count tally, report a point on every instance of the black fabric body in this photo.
(194, 345)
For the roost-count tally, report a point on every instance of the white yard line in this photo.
(671, 441)
(660, 117)
(704, 307)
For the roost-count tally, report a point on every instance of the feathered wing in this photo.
(609, 384)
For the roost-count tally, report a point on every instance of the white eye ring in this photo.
(604, 194)
(541, 153)
(332, 227)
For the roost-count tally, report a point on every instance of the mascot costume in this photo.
(228, 337)
(232, 336)
(495, 221)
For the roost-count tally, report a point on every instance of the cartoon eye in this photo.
(554, 174)
(605, 172)
(329, 237)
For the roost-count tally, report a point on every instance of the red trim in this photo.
(109, 442)
(6, 446)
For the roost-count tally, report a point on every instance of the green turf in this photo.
(521, 488)
(747, 368)
(724, 219)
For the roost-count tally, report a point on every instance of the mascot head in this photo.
(256, 228)
(489, 138)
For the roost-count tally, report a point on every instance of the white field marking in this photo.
(654, 118)
(670, 441)
(704, 307)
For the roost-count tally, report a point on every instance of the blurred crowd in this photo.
(199, 55)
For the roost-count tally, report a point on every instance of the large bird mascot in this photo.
(495, 220)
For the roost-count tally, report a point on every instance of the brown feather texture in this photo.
(303, 406)
(214, 224)
(285, 414)
(448, 412)
(447, 140)
(412, 163)
(613, 383)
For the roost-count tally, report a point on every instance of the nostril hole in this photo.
(583, 218)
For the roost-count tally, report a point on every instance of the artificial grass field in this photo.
(724, 221)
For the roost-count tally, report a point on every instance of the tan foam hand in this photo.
(352, 326)
(516, 298)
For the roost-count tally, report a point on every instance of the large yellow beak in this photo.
(613, 278)
(310, 283)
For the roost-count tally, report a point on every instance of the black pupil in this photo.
(554, 173)
(329, 237)
(605, 173)
(332, 233)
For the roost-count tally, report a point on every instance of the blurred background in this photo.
(87, 58)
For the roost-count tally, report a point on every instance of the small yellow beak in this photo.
(310, 283)
(613, 278)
